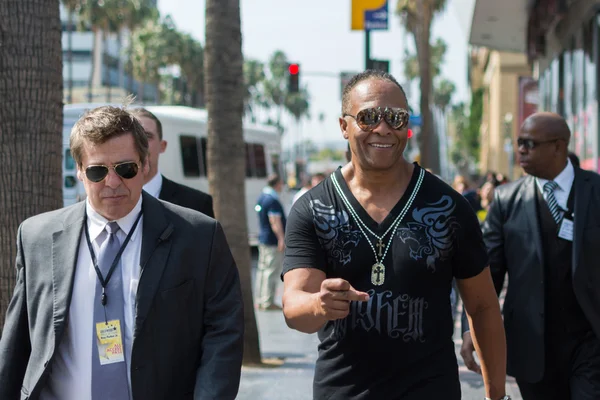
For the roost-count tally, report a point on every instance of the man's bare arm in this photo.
(310, 300)
(487, 329)
(277, 227)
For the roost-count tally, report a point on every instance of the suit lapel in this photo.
(153, 259)
(582, 200)
(65, 246)
(530, 209)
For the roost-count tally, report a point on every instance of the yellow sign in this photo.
(369, 14)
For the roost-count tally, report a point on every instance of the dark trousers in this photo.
(572, 370)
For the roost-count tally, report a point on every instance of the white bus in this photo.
(184, 161)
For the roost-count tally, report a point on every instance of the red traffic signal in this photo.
(294, 69)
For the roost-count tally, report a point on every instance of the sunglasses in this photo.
(126, 170)
(369, 118)
(531, 144)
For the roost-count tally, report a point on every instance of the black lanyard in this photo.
(103, 281)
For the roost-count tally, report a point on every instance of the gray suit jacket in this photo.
(512, 235)
(189, 316)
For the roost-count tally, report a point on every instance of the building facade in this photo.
(564, 48)
(500, 76)
(105, 72)
(561, 40)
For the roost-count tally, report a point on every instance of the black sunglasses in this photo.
(126, 170)
(530, 144)
(369, 118)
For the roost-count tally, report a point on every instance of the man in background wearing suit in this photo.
(116, 298)
(544, 231)
(158, 185)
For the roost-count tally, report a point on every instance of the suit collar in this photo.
(65, 247)
(156, 246)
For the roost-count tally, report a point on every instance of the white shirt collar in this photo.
(97, 223)
(154, 185)
(564, 179)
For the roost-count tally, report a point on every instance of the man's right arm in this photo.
(310, 300)
(15, 346)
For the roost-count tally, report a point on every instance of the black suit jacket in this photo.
(186, 197)
(512, 236)
(187, 338)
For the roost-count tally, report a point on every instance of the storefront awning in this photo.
(500, 25)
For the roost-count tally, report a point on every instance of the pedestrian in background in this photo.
(544, 232)
(271, 219)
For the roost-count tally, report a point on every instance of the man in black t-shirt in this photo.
(370, 257)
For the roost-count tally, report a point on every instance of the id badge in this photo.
(566, 230)
(109, 340)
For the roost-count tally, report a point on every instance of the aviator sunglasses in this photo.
(369, 118)
(125, 170)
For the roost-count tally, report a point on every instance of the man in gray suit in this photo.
(116, 298)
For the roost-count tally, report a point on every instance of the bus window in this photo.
(260, 163)
(70, 182)
(203, 159)
(249, 161)
(69, 161)
(189, 155)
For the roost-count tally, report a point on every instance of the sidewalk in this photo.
(298, 352)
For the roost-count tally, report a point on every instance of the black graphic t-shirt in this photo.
(402, 337)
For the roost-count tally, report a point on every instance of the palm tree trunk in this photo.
(31, 149)
(224, 83)
(70, 26)
(120, 58)
(141, 90)
(93, 79)
(428, 145)
(106, 66)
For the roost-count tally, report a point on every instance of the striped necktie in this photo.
(549, 188)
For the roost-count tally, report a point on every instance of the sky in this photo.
(317, 35)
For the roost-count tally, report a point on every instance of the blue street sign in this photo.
(415, 120)
(377, 19)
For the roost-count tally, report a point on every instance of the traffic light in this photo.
(293, 78)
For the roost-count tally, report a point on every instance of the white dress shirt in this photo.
(154, 185)
(565, 182)
(71, 371)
